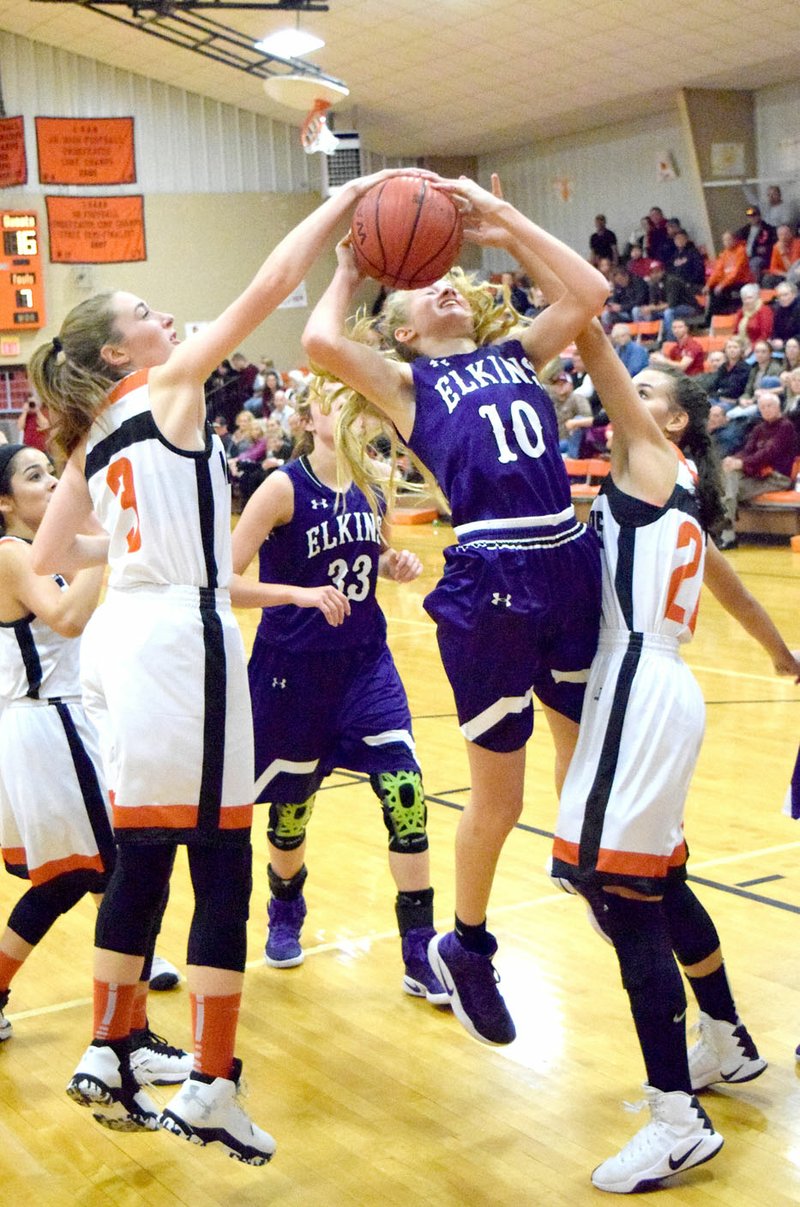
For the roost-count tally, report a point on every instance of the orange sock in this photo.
(214, 1021)
(113, 1010)
(139, 1015)
(8, 970)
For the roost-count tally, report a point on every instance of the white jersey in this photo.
(166, 509)
(36, 662)
(620, 815)
(653, 560)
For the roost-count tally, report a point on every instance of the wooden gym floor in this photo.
(378, 1098)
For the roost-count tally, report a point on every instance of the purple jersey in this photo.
(487, 431)
(330, 540)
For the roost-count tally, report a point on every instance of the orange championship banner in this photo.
(96, 230)
(13, 161)
(85, 150)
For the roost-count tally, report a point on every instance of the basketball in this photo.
(405, 233)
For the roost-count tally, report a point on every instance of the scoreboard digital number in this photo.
(21, 284)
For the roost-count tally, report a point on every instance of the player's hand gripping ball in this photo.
(405, 233)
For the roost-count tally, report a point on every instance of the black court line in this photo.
(759, 880)
(733, 889)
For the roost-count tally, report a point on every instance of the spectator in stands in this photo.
(33, 424)
(786, 314)
(246, 374)
(759, 238)
(730, 271)
(686, 353)
(755, 318)
(728, 437)
(728, 383)
(785, 250)
(627, 293)
(658, 242)
(776, 211)
(568, 405)
(245, 434)
(687, 263)
(764, 464)
(765, 372)
(791, 403)
(637, 263)
(791, 358)
(602, 242)
(220, 426)
(281, 409)
(656, 302)
(537, 302)
(633, 355)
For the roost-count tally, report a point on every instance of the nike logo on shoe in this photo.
(732, 1075)
(673, 1164)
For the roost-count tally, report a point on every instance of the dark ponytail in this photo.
(696, 444)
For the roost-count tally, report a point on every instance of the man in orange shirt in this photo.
(731, 270)
(784, 253)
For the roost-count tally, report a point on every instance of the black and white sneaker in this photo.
(105, 1083)
(155, 1062)
(679, 1136)
(206, 1112)
(723, 1052)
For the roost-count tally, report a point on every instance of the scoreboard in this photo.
(21, 284)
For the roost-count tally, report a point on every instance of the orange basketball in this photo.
(405, 233)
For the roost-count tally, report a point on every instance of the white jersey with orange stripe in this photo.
(653, 559)
(166, 509)
(35, 661)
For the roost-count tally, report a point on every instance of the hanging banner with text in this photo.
(96, 230)
(13, 162)
(85, 150)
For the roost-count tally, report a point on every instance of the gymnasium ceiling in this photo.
(463, 77)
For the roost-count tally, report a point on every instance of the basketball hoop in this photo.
(315, 134)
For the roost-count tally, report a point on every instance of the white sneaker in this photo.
(155, 1062)
(208, 1113)
(678, 1136)
(107, 1086)
(163, 975)
(723, 1052)
(6, 1030)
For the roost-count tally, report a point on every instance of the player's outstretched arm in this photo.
(69, 537)
(725, 584)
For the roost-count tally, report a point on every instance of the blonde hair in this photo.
(69, 374)
(491, 319)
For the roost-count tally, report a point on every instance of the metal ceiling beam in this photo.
(174, 21)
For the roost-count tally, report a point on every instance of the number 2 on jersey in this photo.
(119, 479)
(688, 534)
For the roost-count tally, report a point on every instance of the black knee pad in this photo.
(405, 814)
(692, 933)
(650, 976)
(131, 904)
(38, 908)
(222, 878)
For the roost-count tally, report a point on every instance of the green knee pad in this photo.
(287, 824)
(404, 811)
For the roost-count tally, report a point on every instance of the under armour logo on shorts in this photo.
(315, 503)
(498, 599)
(279, 683)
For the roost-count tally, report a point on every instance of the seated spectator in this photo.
(246, 374)
(765, 372)
(260, 404)
(728, 436)
(669, 298)
(656, 302)
(633, 355)
(220, 426)
(279, 445)
(687, 263)
(791, 403)
(221, 393)
(791, 358)
(755, 318)
(764, 464)
(785, 314)
(785, 251)
(775, 210)
(657, 240)
(602, 242)
(686, 353)
(636, 262)
(567, 405)
(627, 293)
(712, 363)
(758, 238)
(245, 434)
(281, 409)
(729, 272)
(537, 302)
(728, 383)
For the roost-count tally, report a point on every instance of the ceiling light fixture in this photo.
(290, 43)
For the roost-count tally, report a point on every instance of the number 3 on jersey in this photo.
(338, 570)
(119, 480)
